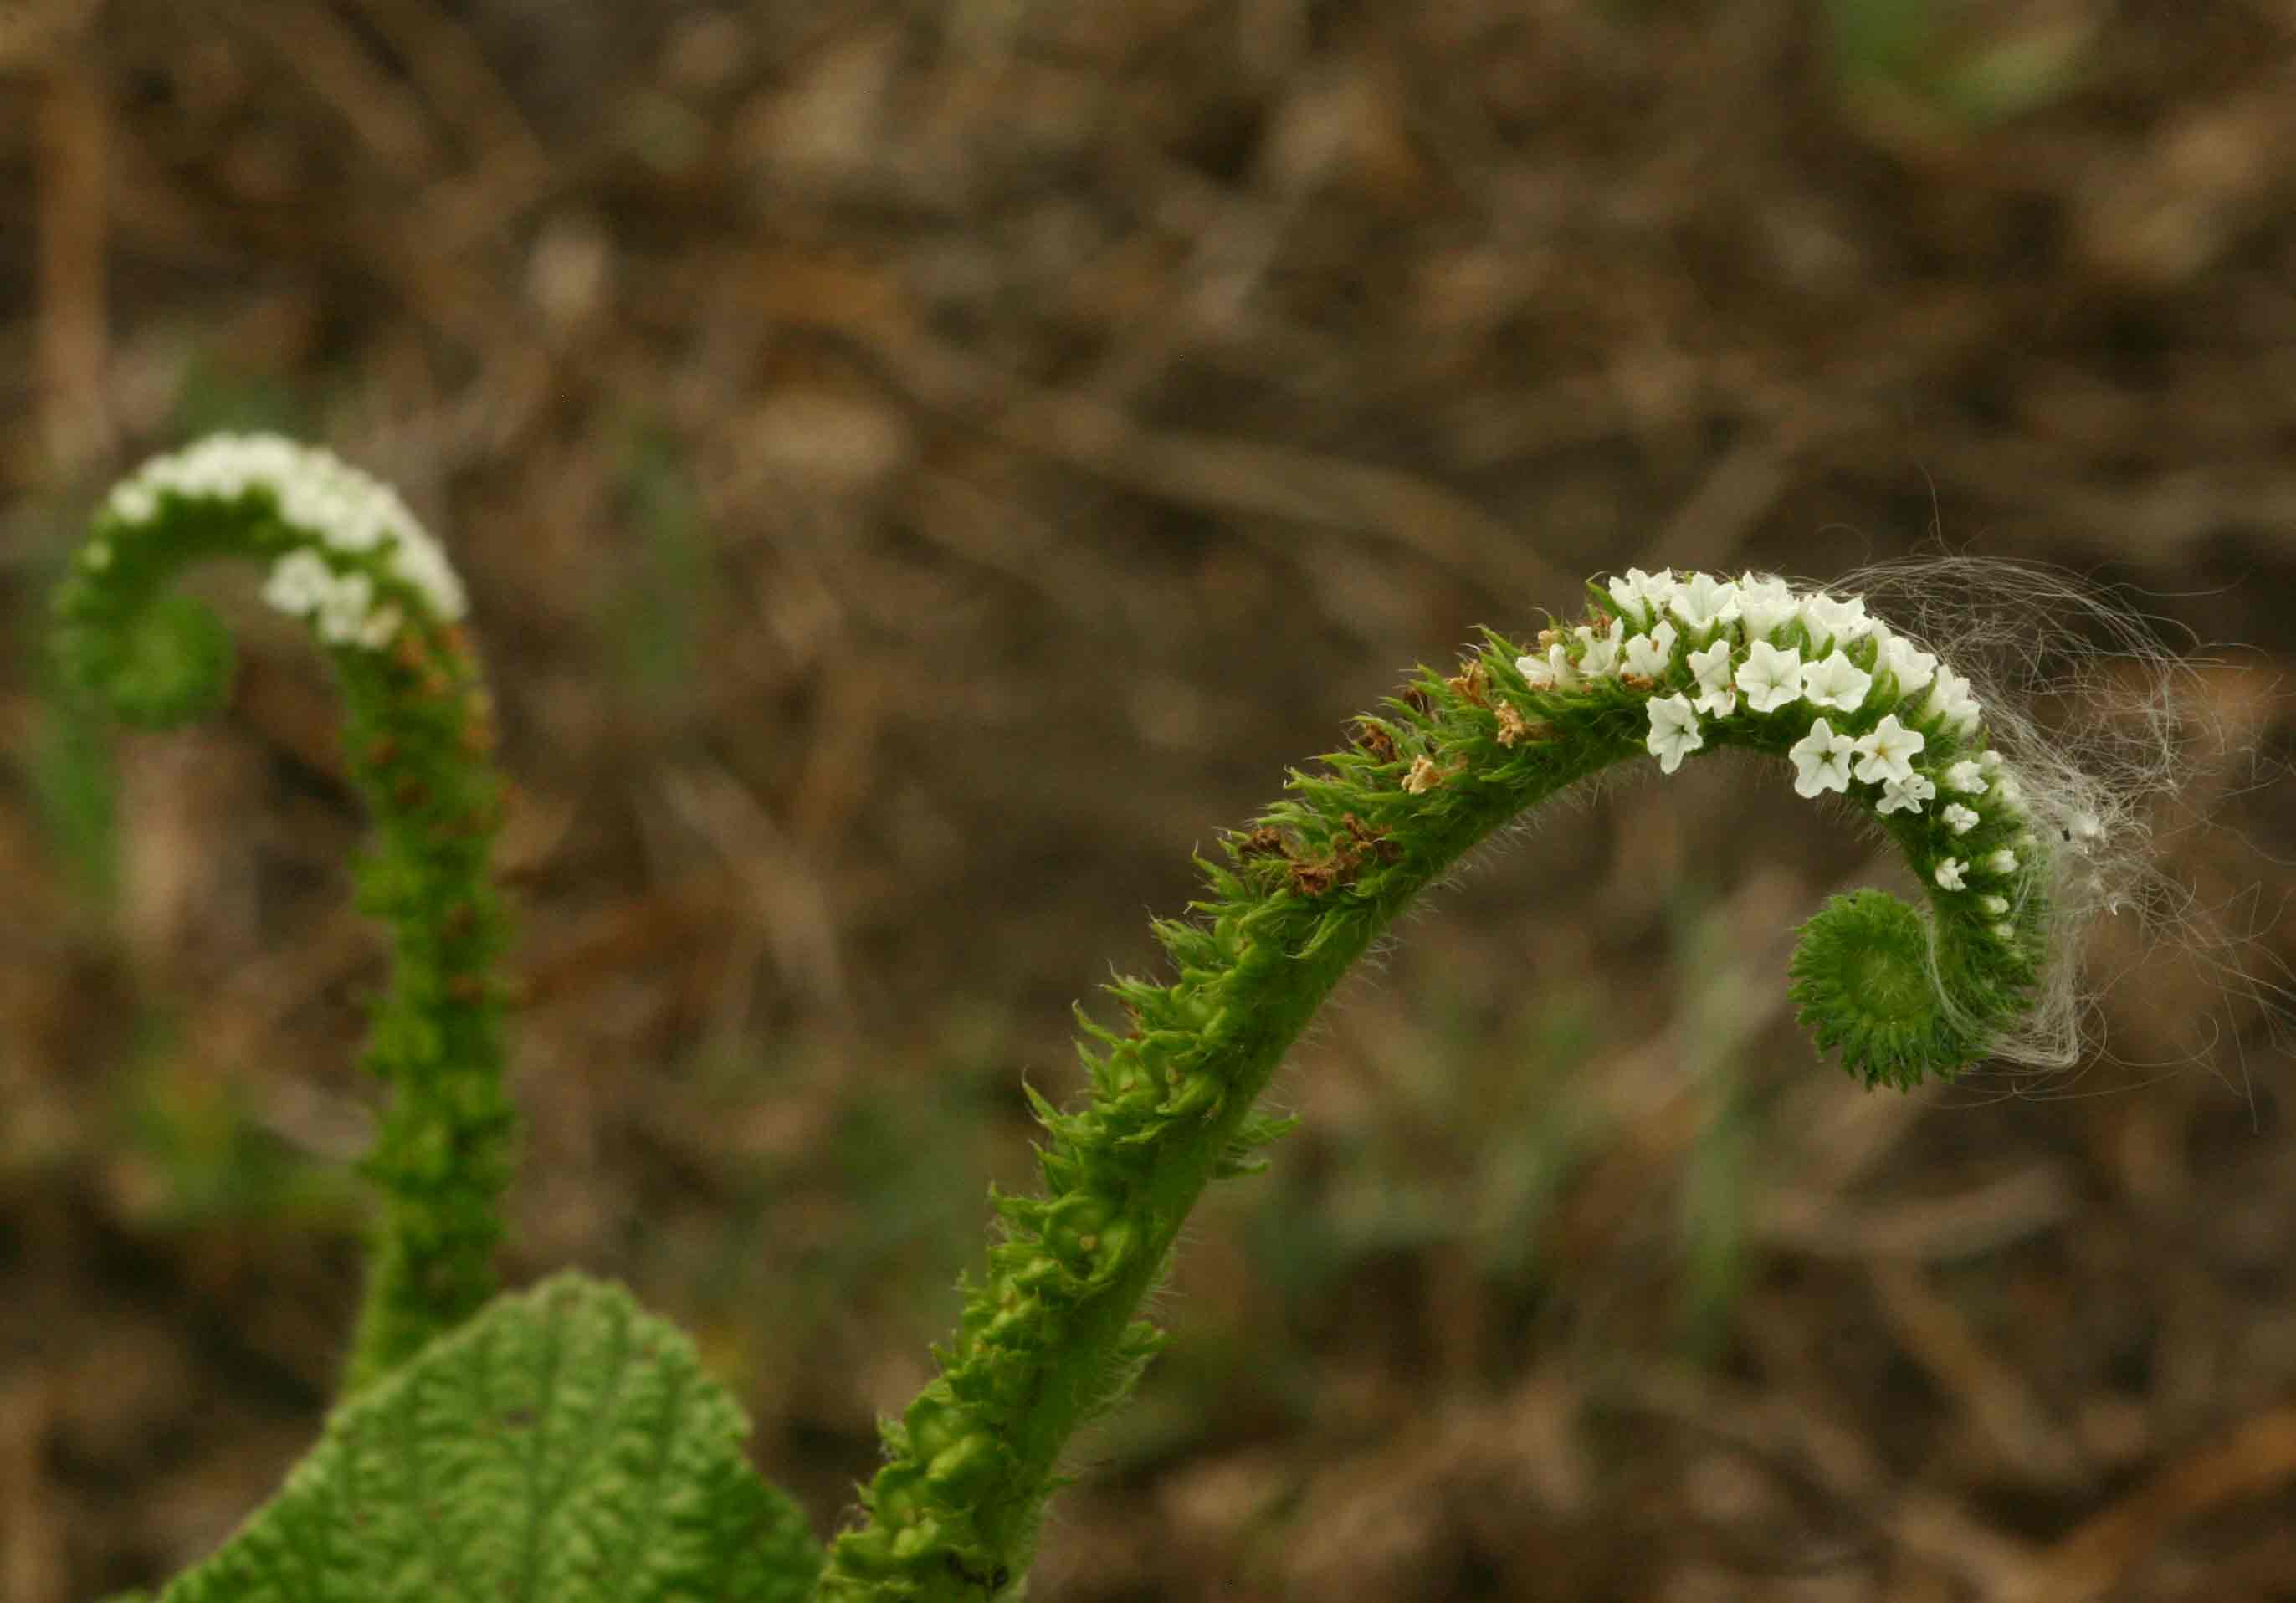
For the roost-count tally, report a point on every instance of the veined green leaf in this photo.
(562, 1446)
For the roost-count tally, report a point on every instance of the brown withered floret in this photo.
(1374, 740)
(1266, 841)
(1314, 878)
(1417, 701)
(1425, 776)
(1638, 682)
(1365, 839)
(1472, 684)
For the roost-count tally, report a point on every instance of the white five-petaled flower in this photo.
(1949, 698)
(1712, 666)
(342, 612)
(1552, 672)
(1905, 795)
(1674, 730)
(1831, 620)
(2003, 862)
(1771, 678)
(1821, 760)
(1766, 603)
(1600, 659)
(1836, 682)
(1948, 873)
(1905, 662)
(1888, 753)
(1651, 654)
(1964, 777)
(1639, 592)
(1959, 819)
(1704, 602)
(299, 580)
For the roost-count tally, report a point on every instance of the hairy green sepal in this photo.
(563, 1447)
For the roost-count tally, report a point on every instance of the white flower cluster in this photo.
(343, 510)
(1758, 638)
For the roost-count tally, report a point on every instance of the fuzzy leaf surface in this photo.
(564, 1445)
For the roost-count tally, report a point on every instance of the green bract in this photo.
(561, 1445)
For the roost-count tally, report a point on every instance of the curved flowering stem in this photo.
(344, 554)
(1664, 668)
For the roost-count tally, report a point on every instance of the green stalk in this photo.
(417, 737)
(1049, 1339)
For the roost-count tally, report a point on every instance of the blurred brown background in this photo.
(923, 469)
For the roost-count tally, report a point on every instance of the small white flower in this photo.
(1535, 672)
(133, 502)
(2004, 932)
(1988, 759)
(381, 628)
(1948, 873)
(1959, 819)
(1821, 760)
(2003, 862)
(1949, 698)
(2007, 789)
(1831, 620)
(1639, 592)
(1704, 603)
(299, 581)
(1837, 683)
(1673, 730)
(1712, 667)
(1964, 777)
(1905, 662)
(1765, 604)
(1651, 654)
(421, 562)
(1905, 795)
(1600, 659)
(1996, 905)
(342, 611)
(1771, 678)
(1888, 753)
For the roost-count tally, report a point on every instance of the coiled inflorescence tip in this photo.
(1864, 713)
(343, 554)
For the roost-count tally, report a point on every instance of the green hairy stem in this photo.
(1047, 1341)
(416, 738)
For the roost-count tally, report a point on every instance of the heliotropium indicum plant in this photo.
(561, 1445)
